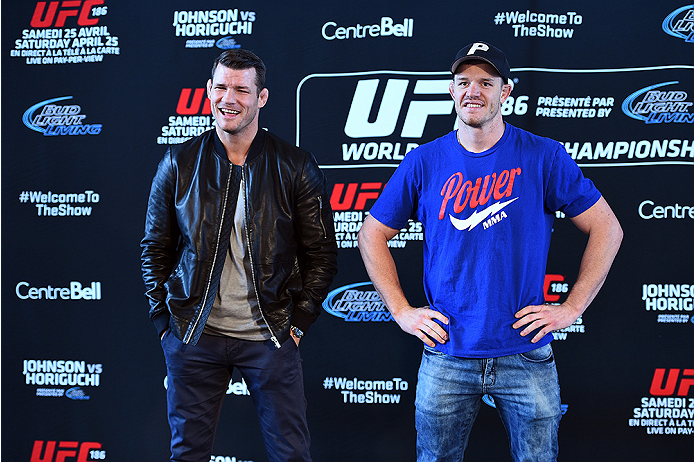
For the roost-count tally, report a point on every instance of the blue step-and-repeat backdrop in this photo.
(93, 92)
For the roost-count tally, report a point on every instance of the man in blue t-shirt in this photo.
(486, 195)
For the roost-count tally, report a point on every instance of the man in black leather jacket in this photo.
(238, 254)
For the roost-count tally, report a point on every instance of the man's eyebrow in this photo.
(483, 79)
(237, 87)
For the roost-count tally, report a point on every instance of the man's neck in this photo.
(479, 139)
(237, 146)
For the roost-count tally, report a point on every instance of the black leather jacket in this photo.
(290, 230)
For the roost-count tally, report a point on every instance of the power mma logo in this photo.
(492, 186)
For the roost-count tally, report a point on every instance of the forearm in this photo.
(380, 266)
(424, 323)
(605, 237)
(597, 260)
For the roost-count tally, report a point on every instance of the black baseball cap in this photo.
(485, 52)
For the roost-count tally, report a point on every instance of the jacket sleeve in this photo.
(317, 253)
(160, 242)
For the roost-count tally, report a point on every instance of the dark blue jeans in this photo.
(198, 377)
(525, 389)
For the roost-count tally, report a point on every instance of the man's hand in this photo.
(294, 337)
(604, 238)
(421, 323)
(547, 318)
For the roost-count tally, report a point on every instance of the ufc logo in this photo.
(197, 104)
(342, 199)
(67, 450)
(666, 387)
(391, 105)
(54, 14)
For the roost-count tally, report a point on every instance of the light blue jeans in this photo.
(525, 389)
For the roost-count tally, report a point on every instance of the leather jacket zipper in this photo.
(214, 259)
(250, 256)
(320, 216)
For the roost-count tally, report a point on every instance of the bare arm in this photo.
(604, 238)
(373, 245)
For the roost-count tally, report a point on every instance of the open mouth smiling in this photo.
(228, 112)
(473, 104)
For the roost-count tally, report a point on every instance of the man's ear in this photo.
(506, 91)
(262, 97)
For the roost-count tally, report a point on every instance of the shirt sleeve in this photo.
(398, 201)
(567, 189)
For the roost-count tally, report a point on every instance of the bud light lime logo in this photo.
(357, 302)
(655, 106)
(680, 23)
(53, 119)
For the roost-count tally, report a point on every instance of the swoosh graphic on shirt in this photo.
(478, 217)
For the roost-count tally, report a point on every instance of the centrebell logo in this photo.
(75, 291)
(385, 28)
(649, 210)
(234, 388)
(356, 303)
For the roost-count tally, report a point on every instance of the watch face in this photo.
(297, 332)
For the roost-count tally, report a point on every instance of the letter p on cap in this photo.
(478, 46)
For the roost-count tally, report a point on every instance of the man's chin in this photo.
(229, 130)
(472, 123)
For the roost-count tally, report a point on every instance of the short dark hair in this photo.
(242, 59)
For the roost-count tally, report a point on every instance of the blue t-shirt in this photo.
(487, 221)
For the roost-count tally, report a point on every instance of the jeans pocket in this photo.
(432, 351)
(539, 355)
(166, 332)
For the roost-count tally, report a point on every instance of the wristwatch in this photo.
(298, 333)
